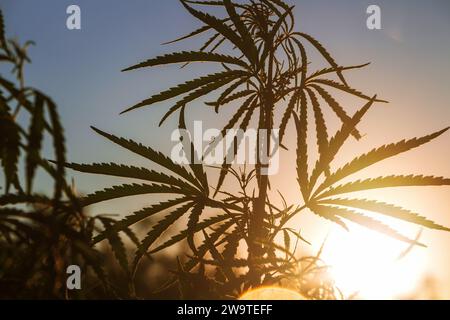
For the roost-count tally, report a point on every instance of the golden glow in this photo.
(366, 263)
(271, 293)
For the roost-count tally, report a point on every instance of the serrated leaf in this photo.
(2, 31)
(247, 40)
(158, 229)
(364, 221)
(336, 107)
(194, 217)
(321, 128)
(198, 227)
(203, 91)
(116, 244)
(347, 89)
(386, 209)
(140, 216)
(188, 56)
(325, 54)
(59, 146)
(184, 88)
(128, 190)
(332, 70)
(152, 155)
(337, 141)
(220, 27)
(302, 148)
(35, 138)
(288, 114)
(324, 212)
(377, 155)
(9, 149)
(132, 172)
(385, 182)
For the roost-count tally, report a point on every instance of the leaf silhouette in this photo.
(158, 230)
(128, 190)
(184, 88)
(302, 148)
(208, 222)
(386, 209)
(362, 220)
(338, 110)
(188, 56)
(139, 216)
(337, 141)
(385, 182)
(35, 137)
(347, 89)
(220, 27)
(151, 155)
(325, 54)
(377, 155)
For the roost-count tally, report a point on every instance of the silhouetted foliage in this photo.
(40, 235)
(264, 73)
(264, 64)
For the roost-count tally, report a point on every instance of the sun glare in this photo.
(271, 293)
(367, 264)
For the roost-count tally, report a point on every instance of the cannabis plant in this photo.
(40, 235)
(264, 71)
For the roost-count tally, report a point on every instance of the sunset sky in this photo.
(410, 67)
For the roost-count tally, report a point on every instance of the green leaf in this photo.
(132, 172)
(302, 148)
(228, 272)
(385, 182)
(232, 150)
(184, 88)
(220, 27)
(349, 90)
(324, 212)
(128, 190)
(337, 141)
(236, 96)
(325, 54)
(386, 209)
(158, 229)
(13, 199)
(139, 216)
(9, 148)
(2, 31)
(59, 146)
(377, 155)
(336, 107)
(188, 56)
(332, 69)
(232, 244)
(226, 93)
(247, 40)
(192, 34)
(152, 155)
(194, 217)
(287, 240)
(321, 128)
(231, 123)
(35, 138)
(203, 91)
(198, 227)
(364, 221)
(116, 244)
(288, 114)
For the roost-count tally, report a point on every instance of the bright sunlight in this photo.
(368, 265)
